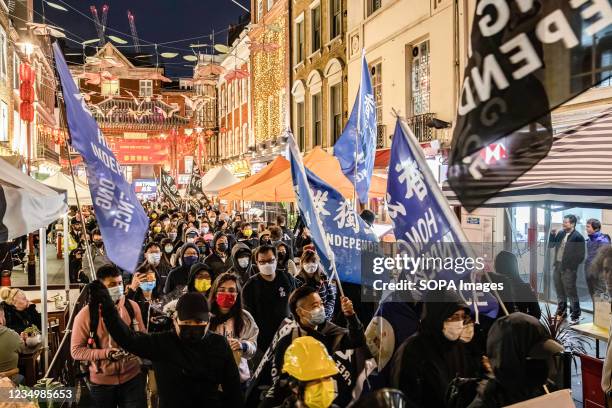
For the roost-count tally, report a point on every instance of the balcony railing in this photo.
(418, 124)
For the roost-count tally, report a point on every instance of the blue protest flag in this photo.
(120, 215)
(356, 146)
(348, 236)
(307, 207)
(424, 224)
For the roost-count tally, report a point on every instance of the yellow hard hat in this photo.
(307, 359)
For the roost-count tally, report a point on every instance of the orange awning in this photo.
(280, 187)
(235, 191)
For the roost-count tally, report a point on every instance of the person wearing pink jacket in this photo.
(115, 377)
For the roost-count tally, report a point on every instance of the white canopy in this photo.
(217, 179)
(25, 204)
(61, 181)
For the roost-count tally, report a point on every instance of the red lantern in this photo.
(26, 111)
(26, 92)
(26, 73)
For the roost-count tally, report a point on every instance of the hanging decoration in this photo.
(26, 78)
(168, 54)
(190, 58)
(236, 74)
(56, 6)
(117, 39)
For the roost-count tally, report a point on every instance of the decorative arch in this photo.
(314, 81)
(334, 67)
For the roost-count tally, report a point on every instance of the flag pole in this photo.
(435, 189)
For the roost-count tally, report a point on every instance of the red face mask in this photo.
(226, 300)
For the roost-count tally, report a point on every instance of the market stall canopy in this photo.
(217, 179)
(577, 172)
(280, 187)
(62, 182)
(25, 204)
(236, 191)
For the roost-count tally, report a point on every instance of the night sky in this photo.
(157, 21)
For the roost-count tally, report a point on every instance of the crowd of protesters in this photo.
(228, 310)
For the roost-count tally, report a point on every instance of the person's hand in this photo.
(235, 344)
(347, 306)
(487, 365)
(135, 281)
(115, 354)
(23, 336)
(98, 294)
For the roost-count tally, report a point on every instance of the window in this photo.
(315, 21)
(299, 41)
(4, 122)
(376, 72)
(16, 64)
(146, 87)
(373, 5)
(110, 87)
(244, 82)
(259, 10)
(317, 130)
(301, 131)
(420, 78)
(270, 4)
(335, 17)
(335, 111)
(591, 63)
(3, 52)
(270, 116)
(237, 87)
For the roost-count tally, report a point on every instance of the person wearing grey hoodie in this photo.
(242, 262)
(11, 344)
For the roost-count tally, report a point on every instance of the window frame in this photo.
(335, 90)
(3, 53)
(315, 10)
(316, 111)
(143, 85)
(332, 19)
(300, 46)
(4, 119)
(110, 83)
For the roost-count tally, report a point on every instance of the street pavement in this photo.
(55, 268)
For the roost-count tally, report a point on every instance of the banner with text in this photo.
(527, 58)
(120, 216)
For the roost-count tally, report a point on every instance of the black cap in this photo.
(192, 306)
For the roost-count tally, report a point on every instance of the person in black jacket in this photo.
(220, 260)
(178, 277)
(308, 310)
(265, 296)
(426, 362)
(520, 351)
(193, 366)
(569, 254)
(522, 298)
(19, 313)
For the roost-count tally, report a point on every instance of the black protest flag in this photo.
(168, 188)
(527, 58)
(195, 182)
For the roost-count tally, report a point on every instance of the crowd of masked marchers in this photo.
(230, 310)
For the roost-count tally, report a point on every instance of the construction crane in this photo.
(100, 23)
(134, 32)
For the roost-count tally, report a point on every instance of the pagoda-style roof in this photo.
(137, 114)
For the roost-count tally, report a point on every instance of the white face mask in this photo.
(243, 262)
(154, 258)
(267, 269)
(467, 333)
(116, 292)
(311, 268)
(452, 330)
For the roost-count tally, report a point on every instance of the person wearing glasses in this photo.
(427, 362)
(275, 289)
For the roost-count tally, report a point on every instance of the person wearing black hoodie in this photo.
(522, 299)
(426, 363)
(178, 277)
(219, 260)
(242, 262)
(521, 354)
(193, 366)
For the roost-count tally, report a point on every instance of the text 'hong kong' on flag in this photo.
(120, 215)
(424, 225)
(356, 146)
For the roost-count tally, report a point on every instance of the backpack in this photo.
(94, 320)
(461, 392)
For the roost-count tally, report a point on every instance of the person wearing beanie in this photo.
(219, 260)
(19, 313)
(368, 216)
(194, 367)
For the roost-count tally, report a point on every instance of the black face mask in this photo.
(99, 244)
(191, 334)
(281, 256)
